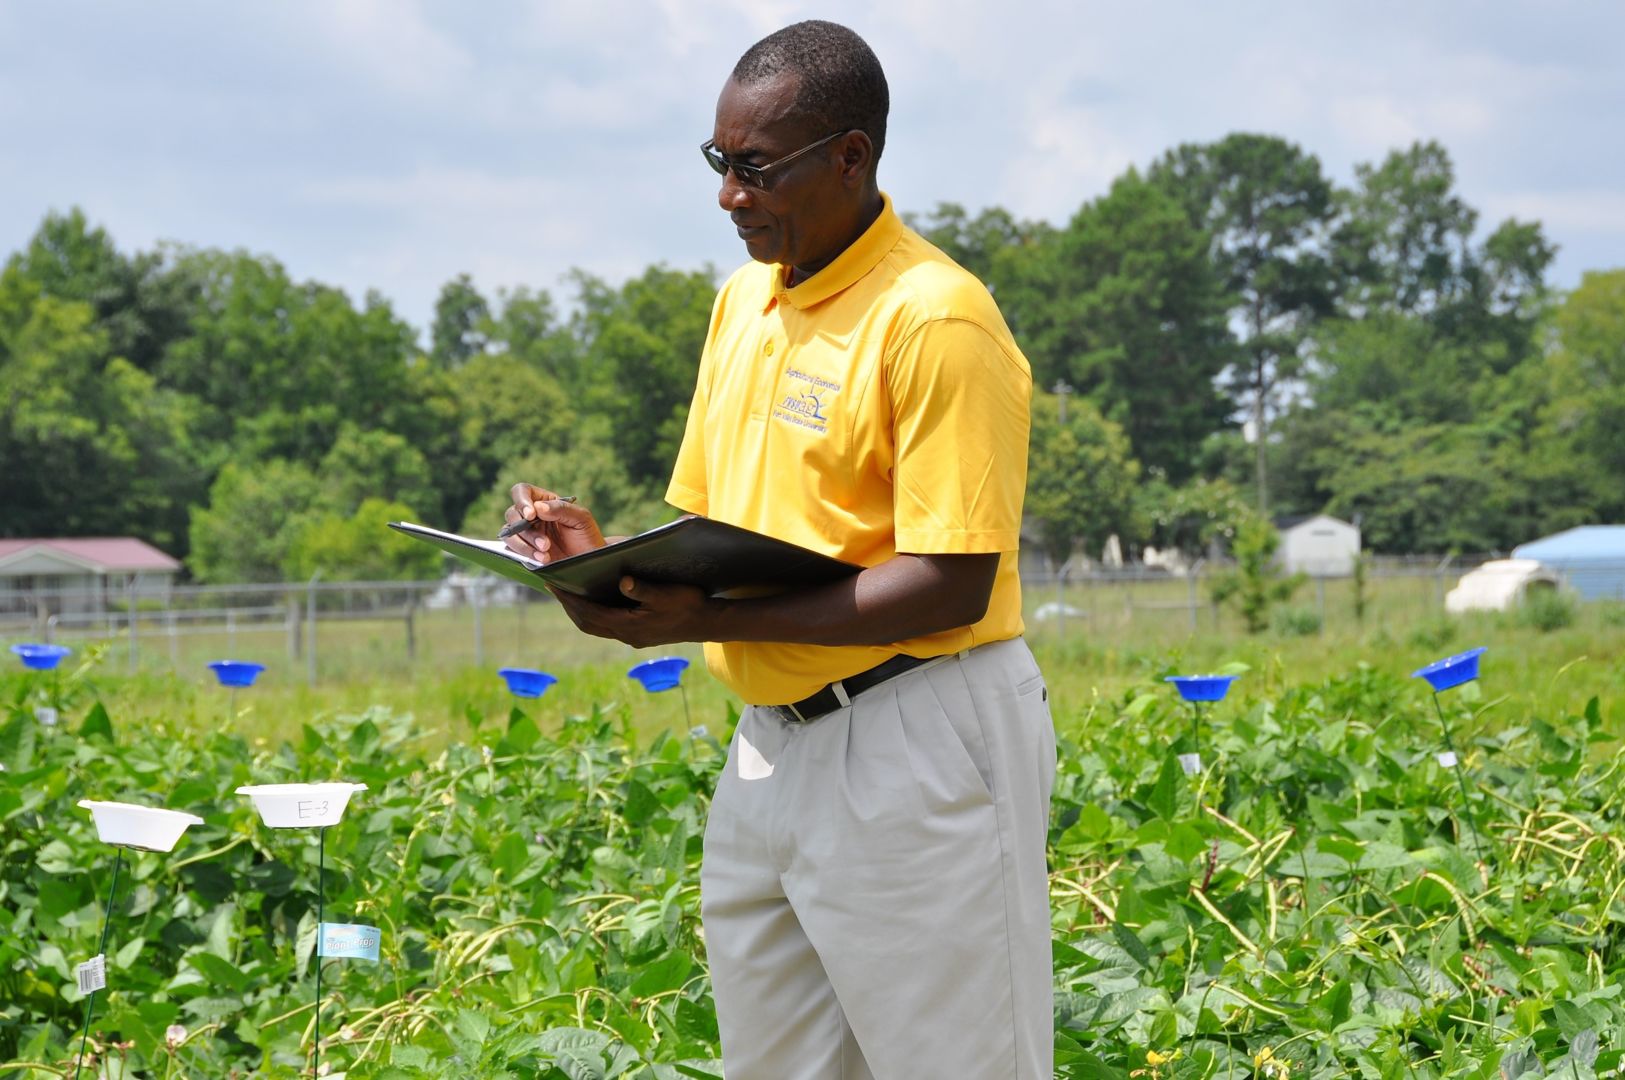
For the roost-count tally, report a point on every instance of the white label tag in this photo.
(1191, 763)
(699, 731)
(92, 974)
(1447, 758)
(45, 715)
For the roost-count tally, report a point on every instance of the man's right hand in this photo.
(558, 529)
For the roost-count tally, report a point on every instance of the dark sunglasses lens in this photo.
(718, 164)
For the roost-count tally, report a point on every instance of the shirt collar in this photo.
(860, 257)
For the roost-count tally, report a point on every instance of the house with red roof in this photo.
(80, 574)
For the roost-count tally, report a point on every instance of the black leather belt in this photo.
(829, 698)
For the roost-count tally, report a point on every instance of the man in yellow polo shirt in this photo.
(874, 891)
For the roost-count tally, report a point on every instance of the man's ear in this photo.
(857, 158)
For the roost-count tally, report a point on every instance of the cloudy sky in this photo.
(392, 144)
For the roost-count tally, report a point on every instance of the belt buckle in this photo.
(790, 714)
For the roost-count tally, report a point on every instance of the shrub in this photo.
(1547, 610)
(1295, 621)
(1432, 634)
(1256, 584)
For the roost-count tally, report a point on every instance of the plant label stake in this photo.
(122, 825)
(309, 806)
(1442, 675)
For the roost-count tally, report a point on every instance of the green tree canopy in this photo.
(1081, 477)
(1267, 207)
(359, 546)
(461, 323)
(90, 446)
(1124, 305)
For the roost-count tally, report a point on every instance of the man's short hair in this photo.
(842, 86)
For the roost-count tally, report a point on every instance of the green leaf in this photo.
(219, 973)
(511, 856)
(1571, 1018)
(473, 1026)
(1164, 798)
(523, 734)
(126, 956)
(667, 973)
(97, 724)
(1131, 944)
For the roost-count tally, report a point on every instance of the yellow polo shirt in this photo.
(880, 406)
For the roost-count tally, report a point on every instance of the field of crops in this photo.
(1319, 900)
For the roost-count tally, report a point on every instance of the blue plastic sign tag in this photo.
(1447, 758)
(45, 715)
(348, 941)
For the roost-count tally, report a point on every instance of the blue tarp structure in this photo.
(1591, 558)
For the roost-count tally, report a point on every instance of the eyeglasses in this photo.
(754, 175)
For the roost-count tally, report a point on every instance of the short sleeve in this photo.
(961, 402)
(688, 490)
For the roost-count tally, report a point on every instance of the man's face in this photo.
(797, 219)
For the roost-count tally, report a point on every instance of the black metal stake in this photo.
(321, 914)
(688, 720)
(101, 950)
(1466, 806)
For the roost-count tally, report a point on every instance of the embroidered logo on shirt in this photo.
(804, 403)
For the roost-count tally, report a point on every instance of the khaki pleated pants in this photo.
(874, 890)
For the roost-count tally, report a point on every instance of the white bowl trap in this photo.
(300, 806)
(146, 827)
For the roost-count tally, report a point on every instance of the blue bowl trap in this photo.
(1452, 670)
(40, 657)
(526, 682)
(657, 675)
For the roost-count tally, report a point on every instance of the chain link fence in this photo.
(321, 630)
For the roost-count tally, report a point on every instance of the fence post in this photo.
(310, 636)
(174, 655)
(134, 658)
(290, 622)
(1190, 591)
(411, 636)
(479, 624)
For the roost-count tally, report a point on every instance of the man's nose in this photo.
(733, 195)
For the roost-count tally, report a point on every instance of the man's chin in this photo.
(761, 247)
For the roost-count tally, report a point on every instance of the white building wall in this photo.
(1322, 546)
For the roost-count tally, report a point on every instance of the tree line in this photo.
(1224, 335)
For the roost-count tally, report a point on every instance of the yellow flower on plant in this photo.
(1154, 1058)
(1270, 1066)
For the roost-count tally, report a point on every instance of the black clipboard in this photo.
(715, 556)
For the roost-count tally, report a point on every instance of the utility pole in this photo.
(1061, 390)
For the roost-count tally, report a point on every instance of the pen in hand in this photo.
(519, 525)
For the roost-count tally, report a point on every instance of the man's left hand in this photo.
(665, 615)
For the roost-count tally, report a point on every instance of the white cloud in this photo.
(394, 143)
(1592, 210)
(390, 43)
